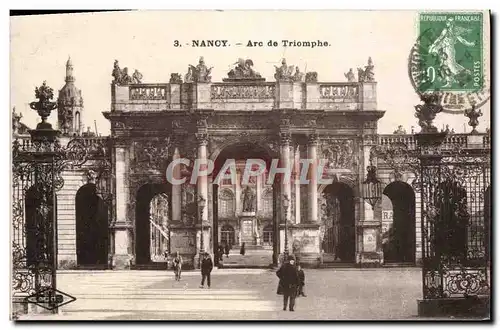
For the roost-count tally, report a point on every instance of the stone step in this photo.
(262, 259)
(338, 265)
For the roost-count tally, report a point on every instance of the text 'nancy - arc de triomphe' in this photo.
(294, 117)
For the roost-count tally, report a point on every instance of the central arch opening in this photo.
(244, 211)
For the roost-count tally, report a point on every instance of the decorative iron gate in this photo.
(453, 179)
(37, 166)
(454, 185)
(36, 176)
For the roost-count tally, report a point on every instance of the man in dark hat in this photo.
(206, 268)
(289, 279)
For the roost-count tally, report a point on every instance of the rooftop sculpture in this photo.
(199, 73)
(243, 71)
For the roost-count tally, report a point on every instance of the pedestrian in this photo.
(221, 252)
(302, 279)
(206, 269)
(242, 250)
(177, 264)
(227, 249)
(289, 282)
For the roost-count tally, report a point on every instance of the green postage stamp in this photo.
(451, 51)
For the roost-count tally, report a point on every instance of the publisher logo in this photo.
(50, 298)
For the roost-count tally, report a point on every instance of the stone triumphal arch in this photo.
(244, 116)
(116, 208)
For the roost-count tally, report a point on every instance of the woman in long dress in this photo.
(444, 48)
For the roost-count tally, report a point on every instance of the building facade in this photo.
(117, 209)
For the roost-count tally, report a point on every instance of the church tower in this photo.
(70, 105)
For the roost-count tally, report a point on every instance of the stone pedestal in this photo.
(368, 96)
(371, 254)
(202, 92)
(284, 98)
(474, 141)
(122, 257)
(247, 229)
(183, 240)
(304, 244)
(175, 96)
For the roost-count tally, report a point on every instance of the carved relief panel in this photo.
(150, 155)
(339, 154)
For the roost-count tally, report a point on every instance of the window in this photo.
(77, 122)
(268, 235)
(227, 235)
(267, 202)
(226, 203)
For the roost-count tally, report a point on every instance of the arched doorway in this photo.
(338, 224)
(91, 228)
(399, 240)
(239, 203)
(151, 223)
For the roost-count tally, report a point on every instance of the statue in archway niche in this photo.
(248, 200)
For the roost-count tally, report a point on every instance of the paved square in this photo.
(332, 294)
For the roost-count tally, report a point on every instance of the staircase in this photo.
(256, 256)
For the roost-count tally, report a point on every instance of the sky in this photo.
(144, 40)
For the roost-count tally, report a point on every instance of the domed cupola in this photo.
(70, 105)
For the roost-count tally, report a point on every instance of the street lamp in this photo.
(286, 203)
(372, 187)
(201, 205)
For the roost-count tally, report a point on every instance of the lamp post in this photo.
(286, 203)
(201, 206)
(372, 187)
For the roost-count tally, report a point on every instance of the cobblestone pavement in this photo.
(239, 294)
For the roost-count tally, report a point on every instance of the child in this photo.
(302, 278)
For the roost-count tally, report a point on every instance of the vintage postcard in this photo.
(195, 165)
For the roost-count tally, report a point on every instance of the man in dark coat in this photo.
(206, 269)
(289, 281)
(220, 252)
(302, 280)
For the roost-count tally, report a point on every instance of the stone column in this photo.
(370, 222)
(202, 183)
(297, 185)
(237, 193)
(121, 227)
(176, 190)
(312, 205)
(285, 140)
